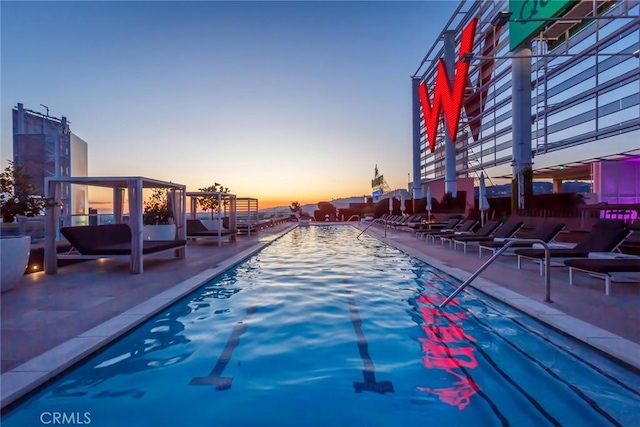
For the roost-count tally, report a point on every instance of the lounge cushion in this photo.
(545, 232)
(606, 266)
(484, 231)
(466, 226)
(88, 240)
(112, 239)
(598, 240)
(195, 228)
(434, 226)
(507, 230)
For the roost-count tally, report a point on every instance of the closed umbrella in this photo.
(483, 203)
(402, 208)
(429, 206)
(391, 205)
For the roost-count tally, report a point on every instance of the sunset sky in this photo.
(276, 100)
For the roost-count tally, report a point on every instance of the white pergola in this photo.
(133, 186)
(222, 197)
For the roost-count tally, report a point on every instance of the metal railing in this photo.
(373, 222)
(354, 216)
(547, 269)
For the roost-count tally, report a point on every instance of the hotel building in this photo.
(553, 93)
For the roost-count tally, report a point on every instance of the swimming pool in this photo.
(321, 329)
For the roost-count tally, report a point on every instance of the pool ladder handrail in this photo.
(547, 269)
(373, 222)
(354, 216)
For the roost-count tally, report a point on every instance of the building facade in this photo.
(580, 75)
(46, 147)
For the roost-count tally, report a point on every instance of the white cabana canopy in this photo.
(134, 186)
(229, 208)
(483, 203)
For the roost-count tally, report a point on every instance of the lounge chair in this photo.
(546, 232)
(412, 219)
(485, 231)
(435, 226)
(197, 229)
(603, 268)
(464, 227)
(506, 230)
(599, 239)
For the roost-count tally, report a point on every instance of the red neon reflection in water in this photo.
(442, 330)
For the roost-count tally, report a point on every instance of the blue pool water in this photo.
(321, 329)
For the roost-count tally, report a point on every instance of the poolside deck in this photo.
(49, 322)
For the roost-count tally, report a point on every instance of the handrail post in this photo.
(547, 270)
(373, 222)
(547, 273)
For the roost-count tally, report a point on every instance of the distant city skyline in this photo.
(280, 101)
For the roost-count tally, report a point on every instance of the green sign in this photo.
(527, 18)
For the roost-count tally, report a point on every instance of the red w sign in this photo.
(451, 100)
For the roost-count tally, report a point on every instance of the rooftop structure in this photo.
(46, 147)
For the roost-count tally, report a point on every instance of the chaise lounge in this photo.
(506, 231)
(546, 232)
(604, 237)
(435, 227)
(109, 241)
(463, 227)
(196, 229)
(485, 231)
(603, 268)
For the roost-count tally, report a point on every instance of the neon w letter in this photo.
(444, 98)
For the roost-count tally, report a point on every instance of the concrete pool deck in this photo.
(51, 322)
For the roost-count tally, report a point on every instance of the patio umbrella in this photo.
(402, 208)
(429, 206)
(391, 205)
(483, 203)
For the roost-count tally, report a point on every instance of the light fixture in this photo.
(501, 18)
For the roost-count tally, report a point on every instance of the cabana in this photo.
(223, 224)
(114, 246)
(247, 214)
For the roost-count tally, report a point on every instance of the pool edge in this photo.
(23, 379)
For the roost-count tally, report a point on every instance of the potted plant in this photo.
(17, 197)
(157, 217)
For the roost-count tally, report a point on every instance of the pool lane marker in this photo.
(368, 373)
(214, 378)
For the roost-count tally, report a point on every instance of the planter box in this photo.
(14, 253)
(159, 232)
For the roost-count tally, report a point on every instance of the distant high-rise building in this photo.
(46, 147)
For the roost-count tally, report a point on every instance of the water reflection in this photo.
(153, 345)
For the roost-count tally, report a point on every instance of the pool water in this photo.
(323, 329)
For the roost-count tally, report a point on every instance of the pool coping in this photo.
(27, 377)
(613, 345)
